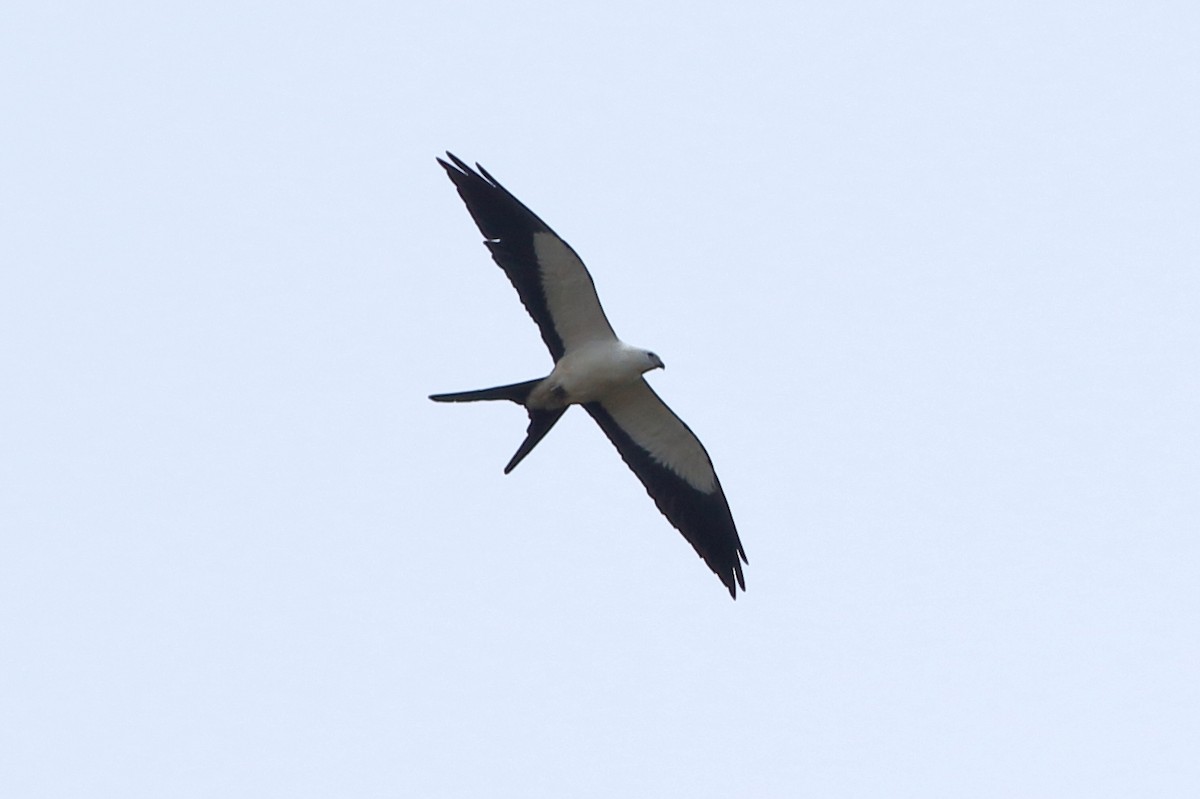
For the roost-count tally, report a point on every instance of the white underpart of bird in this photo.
(570, 295)
(591, 371)
(596, 370)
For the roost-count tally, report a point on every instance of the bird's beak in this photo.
(661, 365)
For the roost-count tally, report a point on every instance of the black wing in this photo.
(677, 473)
(550, 278)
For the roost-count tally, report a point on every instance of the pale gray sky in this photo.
(926, 276)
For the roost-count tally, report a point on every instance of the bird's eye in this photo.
(652, 355)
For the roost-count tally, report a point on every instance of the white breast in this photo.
(591, 372)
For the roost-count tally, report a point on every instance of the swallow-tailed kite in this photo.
(595, 369)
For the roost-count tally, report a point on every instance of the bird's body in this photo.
(591, 372)
(595, 369)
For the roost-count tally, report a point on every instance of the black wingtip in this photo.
(486, 176)
(458, 162)
(734, 586)
(737, 579)
(459, 167)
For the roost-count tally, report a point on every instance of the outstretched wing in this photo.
(552, 281)
(677, 473)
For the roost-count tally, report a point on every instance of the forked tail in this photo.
(516, 392)
(540, 421)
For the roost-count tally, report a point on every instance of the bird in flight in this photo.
(595, 369)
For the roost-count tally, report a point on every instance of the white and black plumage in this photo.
(595, 369)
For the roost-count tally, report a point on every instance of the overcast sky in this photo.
(927, 279)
